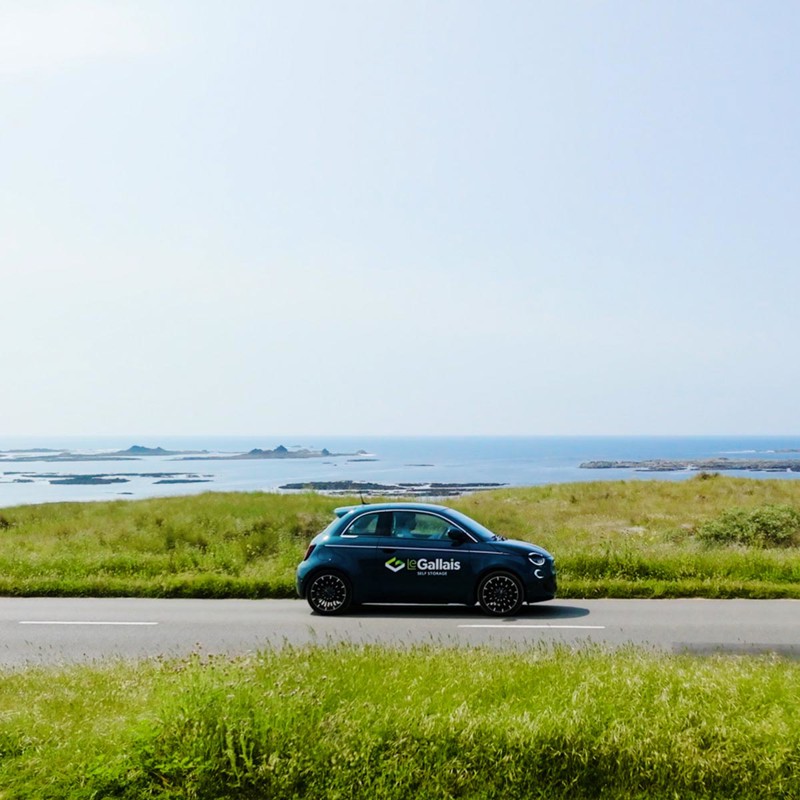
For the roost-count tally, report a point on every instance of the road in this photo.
(61, 631)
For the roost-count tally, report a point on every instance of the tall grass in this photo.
(212, 545)
(613, 539)
(373, 722)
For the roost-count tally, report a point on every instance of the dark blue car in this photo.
(420, 553)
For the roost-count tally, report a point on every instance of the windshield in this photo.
(484, 534)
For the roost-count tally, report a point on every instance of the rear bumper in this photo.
(299, 579)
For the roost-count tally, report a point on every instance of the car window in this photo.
(369, 525)
(415, 525)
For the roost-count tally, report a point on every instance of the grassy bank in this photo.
(370, 722)
(610, 539)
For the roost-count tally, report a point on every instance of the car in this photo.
(420, 553)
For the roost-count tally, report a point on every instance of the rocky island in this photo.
(134, 453)
(279, 452)
(138, 452)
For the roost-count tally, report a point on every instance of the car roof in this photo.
(343, 510)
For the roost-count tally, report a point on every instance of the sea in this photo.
(507, 460)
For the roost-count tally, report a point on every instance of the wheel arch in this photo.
(495, 568)
(307, 579)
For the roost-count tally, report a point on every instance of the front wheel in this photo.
(500, 594)
(329, 593)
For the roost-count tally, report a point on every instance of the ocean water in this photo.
(511, 460)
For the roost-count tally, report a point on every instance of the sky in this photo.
(399, 218)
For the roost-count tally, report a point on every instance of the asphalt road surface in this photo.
(61, 631)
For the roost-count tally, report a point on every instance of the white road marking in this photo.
(551, 627)
(78, 622)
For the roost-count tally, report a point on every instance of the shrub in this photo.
(765, 526)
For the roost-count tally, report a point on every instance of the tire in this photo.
(500, 594)
(329, 593)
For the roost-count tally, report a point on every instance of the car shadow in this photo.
(551, 611)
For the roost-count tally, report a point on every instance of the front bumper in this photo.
(544, 588)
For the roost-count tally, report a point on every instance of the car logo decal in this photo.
(395, 564)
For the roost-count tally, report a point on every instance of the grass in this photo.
(373, 722)
(610, 539)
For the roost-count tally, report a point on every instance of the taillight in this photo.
(309, 551)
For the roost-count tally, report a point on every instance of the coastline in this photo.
(444, 463)
(700, 465)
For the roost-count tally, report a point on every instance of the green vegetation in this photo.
(711, 536)
(371, 722)
(766, 526)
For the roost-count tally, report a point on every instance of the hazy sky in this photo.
(399, 217)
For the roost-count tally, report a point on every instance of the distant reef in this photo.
(64, 456)
(702, 465)
(369, 489)
(87, 480)
(102, 479)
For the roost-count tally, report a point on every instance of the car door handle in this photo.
(389, 549)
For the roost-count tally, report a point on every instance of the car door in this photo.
(353, 551)
(420, 562)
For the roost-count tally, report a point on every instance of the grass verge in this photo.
(610, 539)
(373, 722)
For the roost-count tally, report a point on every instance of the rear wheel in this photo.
(500, 594)
(329, 593)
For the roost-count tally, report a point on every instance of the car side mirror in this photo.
(456, 535)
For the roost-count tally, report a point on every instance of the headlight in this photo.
(537, 559)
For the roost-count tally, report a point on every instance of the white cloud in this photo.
(47, 36)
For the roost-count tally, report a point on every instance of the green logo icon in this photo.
(395, 564)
